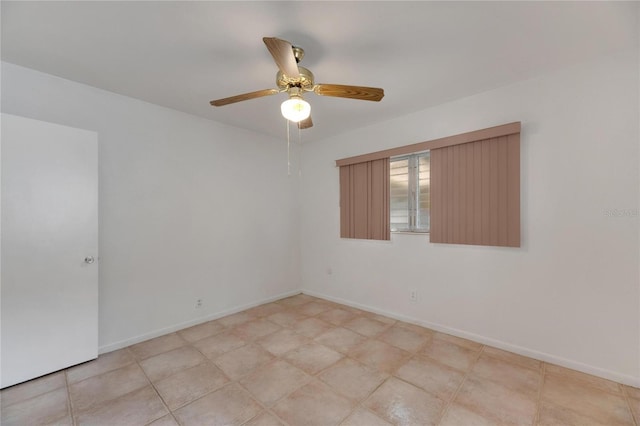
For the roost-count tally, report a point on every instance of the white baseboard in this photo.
(542, 356)
(166, 330)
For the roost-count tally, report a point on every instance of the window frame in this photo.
(413, 188)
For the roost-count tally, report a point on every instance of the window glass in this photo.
(399, 194)
(422, 222)
(409, 193)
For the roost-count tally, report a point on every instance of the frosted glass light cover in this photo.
(295, 109)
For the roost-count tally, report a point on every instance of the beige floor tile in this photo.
(230, 405)
(296, 300)
(273, 381)
(213, 347)
(315, 404)
(493, 401)
(105, 387)
(459, 357)
(157, 346)
(235, 319)
(45, 408)
(512, 376)
(190, 384)
(364, 417)
(404, 338)
(313, 357)
(242, 361)
(32, 388)
(265, 310)
(381, 318)
(379, 355)
(286, 318)
(65, 421)
(513, 358)
(400, 403)
(104, 363)
(167, 420)
(340, 339)
(332, 305)
(136, 408)
(458, 415)
(554, 415)
(282, 341)
(313, 308)
(415, 328)
(164, 365)
(255, 329)
(352, 379)
(312, 327)
(434, 377)
(465, 343)
(632, 392)
(336, 316)
(635, 408)
(604, 384)
(200, 331)
(366, 326)
(264, 419)
(355, 311)
(600, 405)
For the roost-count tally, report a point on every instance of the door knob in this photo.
(89, 259)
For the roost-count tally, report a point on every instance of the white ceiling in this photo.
(183, 54)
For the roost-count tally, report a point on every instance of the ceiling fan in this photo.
(295, 80)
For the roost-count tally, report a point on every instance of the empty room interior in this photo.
(320, 213)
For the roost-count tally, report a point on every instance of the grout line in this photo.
(157, 393)
(70, 403)
(139, 360)
(627, 399)
(365, 408)
(543, 373)
(206, 361)
(134, 361)
(280, 419)
(457, 391)
(263, 406)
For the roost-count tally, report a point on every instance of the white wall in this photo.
(189, 208)
(570, 295)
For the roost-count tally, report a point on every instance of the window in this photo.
(461, 189)
(409, 192)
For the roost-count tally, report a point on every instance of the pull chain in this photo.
(299, 150)
(288, 150)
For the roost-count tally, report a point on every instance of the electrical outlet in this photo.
(198, 303)
(413, 295)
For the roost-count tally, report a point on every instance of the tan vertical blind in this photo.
(364, 200)
(475, 192)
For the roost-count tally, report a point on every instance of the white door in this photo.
(49, 248)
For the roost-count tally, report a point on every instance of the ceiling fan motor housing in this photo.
(304, 81)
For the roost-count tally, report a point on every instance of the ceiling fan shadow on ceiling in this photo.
(295, 81)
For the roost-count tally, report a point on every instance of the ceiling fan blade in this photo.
(305, 124)
(282, 53)
(352, 92)
(244, 97)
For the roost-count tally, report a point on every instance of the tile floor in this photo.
(306, 361)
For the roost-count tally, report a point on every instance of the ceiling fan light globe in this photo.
(295, 109)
